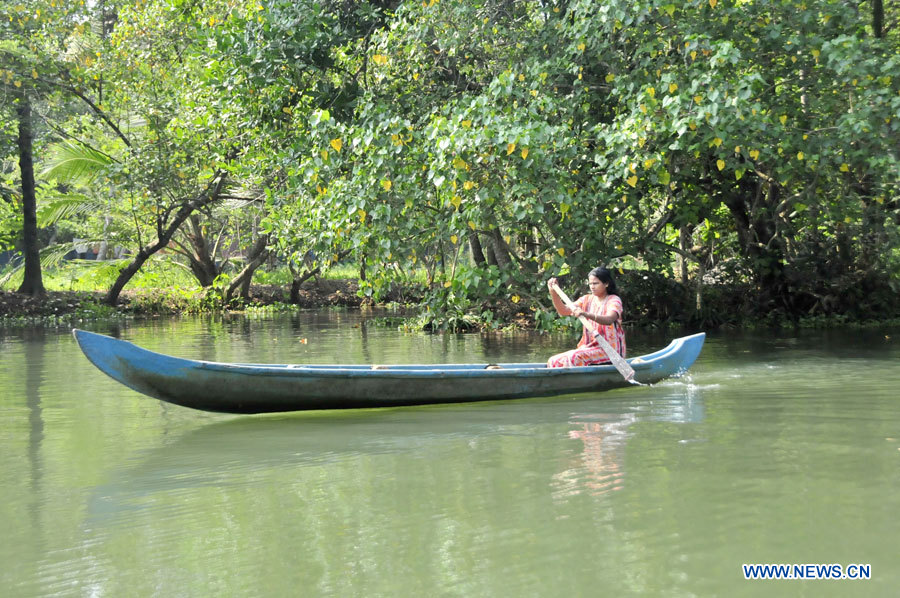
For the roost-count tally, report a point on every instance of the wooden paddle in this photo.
(616, 359)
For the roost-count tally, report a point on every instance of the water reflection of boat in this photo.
(259, 388)
(600, 466)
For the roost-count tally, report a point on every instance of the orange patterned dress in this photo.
(588, 351)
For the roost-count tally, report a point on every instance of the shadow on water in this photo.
(230, 453)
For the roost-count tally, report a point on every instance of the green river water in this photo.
(778, 447)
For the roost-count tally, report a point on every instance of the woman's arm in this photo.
(561, 308)
(604, 319)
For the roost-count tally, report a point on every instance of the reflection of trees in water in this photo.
(599, 468)
(34, 343)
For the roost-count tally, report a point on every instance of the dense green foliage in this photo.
(750, 145)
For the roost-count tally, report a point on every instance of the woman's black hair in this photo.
(605, 275)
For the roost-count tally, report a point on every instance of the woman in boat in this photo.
(603, 310)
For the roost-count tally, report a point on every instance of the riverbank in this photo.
(651, 303)
(68, 305)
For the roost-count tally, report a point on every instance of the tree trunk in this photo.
(205, 198)
(684, 245)
(755, 231)
(878, 18)
(491, 256)
(33, 283)
(258, 255)
(299, 280)
(202, 264)
(126, 273)
(477, 251)
(501, 253)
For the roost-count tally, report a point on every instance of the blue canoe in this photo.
(262, 388)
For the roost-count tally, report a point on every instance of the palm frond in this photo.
(59, 207)
(16, 268)
(52, 255)
(75, 162)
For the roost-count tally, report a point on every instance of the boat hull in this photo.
(262, 388)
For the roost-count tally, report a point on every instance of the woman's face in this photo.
(597, 286)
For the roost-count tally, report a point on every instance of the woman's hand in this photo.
(552, 283)
(578, 312)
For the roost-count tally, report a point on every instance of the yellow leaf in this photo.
(361, 213)
(447, 284)
(738, 174)
(324, 154)
(581, 47)
(720, 163)
(816, 54)
(712, 3)
(610, 78)
(471, 225)
(632, 180)
(337, 144)
(754, 154)
(651, 92)
(455, 200)
(648, 163)
(783, 118)
(34, 74)
(717, 141)
(415, 76)
(460, 163)
(468, 185)
(845, 167)
(737, 149)
(693, 126)
(454, 239)
(799, 155)
(561, 252)
(643, 108)
(693, 54)
(524, 152)
(379, 59)
(286, 109)
(621, 271)
(673, 87)
(467, 123)
(698, 99)
(632, 168)
(386, 184)
(18, 84)
(510, 148)
(514, 298)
